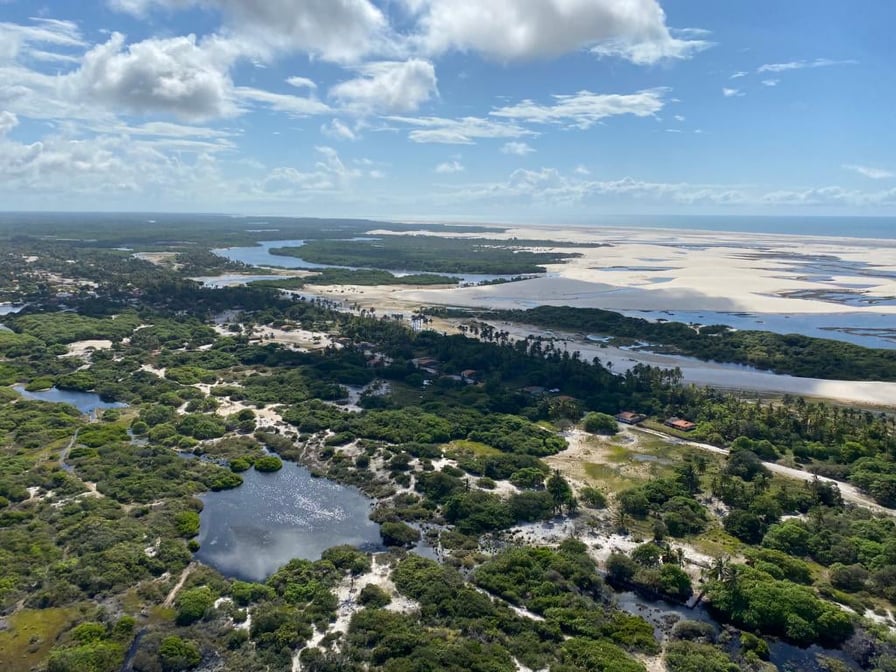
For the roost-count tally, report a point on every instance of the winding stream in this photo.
(260, 255)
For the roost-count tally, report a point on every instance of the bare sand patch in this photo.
(652, 269)
(84, 348)
(158, 258)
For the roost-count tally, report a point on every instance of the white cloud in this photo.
(800, 65)
(581, 170)
(8, 121)
(17, 39)
(329, 174)
(180, 76)
(517, 148)
(870, 171)
(62, 166)
(732, 93)
(280, 102)
(522, 29)
(738, 75)
(175, 75)
(336, 30)
(336, 129)
(162, 129)
(584, 109)
(463, 131)
(388, 86)
(770, 82)
(450, 167)
(301, 82)
(550, 186)
(679, 117)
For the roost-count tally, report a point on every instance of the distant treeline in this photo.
(433, 254)
(360, 276)
(165, 231)
(790, 354)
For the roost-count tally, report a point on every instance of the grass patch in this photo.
(464, 446)
(31, 635)
(660, 427)
(609, 477)
(716, 542)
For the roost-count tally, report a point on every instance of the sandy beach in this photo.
(654, 269)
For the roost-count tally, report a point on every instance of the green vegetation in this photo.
(790, 354)
(98, 523)
(600, 423)
(433, 254)
(268, 463)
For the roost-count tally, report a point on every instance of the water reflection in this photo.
(86, 402)
(251, 531)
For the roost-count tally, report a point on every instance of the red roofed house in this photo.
(681, 425)
(630, 417)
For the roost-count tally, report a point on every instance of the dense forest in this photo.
(790, 354)
(434, 254)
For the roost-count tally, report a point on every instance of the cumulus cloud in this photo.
(388, 86)
(517, 148)
(770, 82)
(329, 174)
(801, 65)
(175, 75)
(183, 76)
(867, 171)
(336, 30)
(732, 93)
(60, 169)
(738, 75)
(521, 29)
(584, 109)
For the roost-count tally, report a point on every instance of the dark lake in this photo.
(251, 531)
(86, 402)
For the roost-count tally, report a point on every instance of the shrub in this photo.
(398, 534)
(176, 654)
(374, 597)
(600, 423)
(268, 463)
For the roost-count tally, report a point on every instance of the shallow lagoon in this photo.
(251, 531)
(86, 402)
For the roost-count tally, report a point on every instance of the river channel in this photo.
(260, 255)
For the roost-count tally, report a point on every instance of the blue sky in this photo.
(507, 110)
